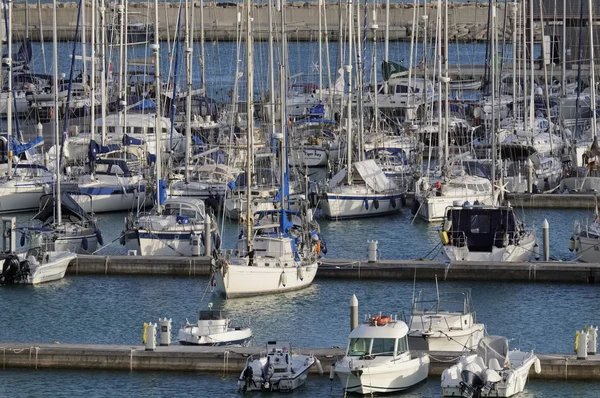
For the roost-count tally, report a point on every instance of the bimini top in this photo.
(392, 330)
(69, 207)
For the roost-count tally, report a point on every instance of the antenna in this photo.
(437, 291)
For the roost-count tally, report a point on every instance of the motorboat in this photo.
(444, 321)
(175, 227)
(378, 359)
(214, 328)
(35, 266)
(22, 191)
(493, 371)
(586, 240)
(279, 370)
(486, 233)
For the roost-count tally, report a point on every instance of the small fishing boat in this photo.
(35, 266)
(444, 321)
(278, 370)
(214, 328)
(378, 359)
(493, 371)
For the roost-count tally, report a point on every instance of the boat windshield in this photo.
(359, 347)
(383, 346)
(377, 346)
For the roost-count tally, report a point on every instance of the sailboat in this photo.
(270, 257)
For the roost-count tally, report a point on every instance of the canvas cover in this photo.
(373, 176)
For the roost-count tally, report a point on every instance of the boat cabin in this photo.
(380, 336)
(185, 209)
(480, 228)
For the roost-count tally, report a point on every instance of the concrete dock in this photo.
(556, 272)
(231, 360)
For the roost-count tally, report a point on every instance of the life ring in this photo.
(380, 320)
(318, 247)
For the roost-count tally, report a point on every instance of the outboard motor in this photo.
(13, 270)
(471, 384)
(247, 378)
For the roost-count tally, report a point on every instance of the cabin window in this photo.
(358, 347)
(472, 187)
(402, 345)
(480, 224)
(138, 130)
(110, 129)
(383, 346)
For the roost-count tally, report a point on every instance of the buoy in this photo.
(366, 204)
(332, 372)
(444, 238)
(536, 251)
(283, 279)
(84, 243)
(414, 207)
(376, 204)
(319, 366)
(537, 366)
(447, 224)
(571, 244)
(301, 273)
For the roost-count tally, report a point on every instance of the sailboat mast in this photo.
(493, 91)
(83, 44)
(93, 67)
(9, 97)
(271, 104)
(349, 112)
(103, 69)
(250, 121)
(320, 55)
(386, 55)
(283, 118)
(592, 70)
(157, 117)
(189, 51)
(58, 152)
(446, 88)
(374, 28)
(202, 58)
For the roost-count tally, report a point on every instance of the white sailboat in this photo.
(270, 258)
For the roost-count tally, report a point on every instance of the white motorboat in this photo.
(35, 266)
(278, 370)
(444, 322)
(23, 190)
(369, 193)
(493, 371)
(214, 328)
(378, 359)
(174, 228)
(486, 233)
(586, 241)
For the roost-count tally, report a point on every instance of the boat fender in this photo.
(99, 237)
(84, 243)
(121, 239)
(537, 366)
(301, 273)
(323, 243)
(144, 333)
(414, 207)
(319, 366)
(511, 378)
(403, 200)
(571, 244)
(576, 346)
(332, 372)
(216, 237)
(23, 240)
(444, 238)
(283, 279)
(366, 204)
(393, 202)
(376, 204)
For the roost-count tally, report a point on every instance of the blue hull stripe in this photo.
(165, 236)
(116, 190)
(222, 343)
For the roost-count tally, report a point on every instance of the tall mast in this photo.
(446, 88)
(374, 28)
(271, 104)
(189, 51)
(320, 55)
(349, 111)
(83, 44)
(493, 83)
(93, 66)
(9, 97)
(592, 70)
(386, 55)
(202, 58)
(157, 117)
(39, 9)
(103, 69)
(250, 120)
(56, 126)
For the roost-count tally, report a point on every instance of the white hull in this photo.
(162, 244)
(364, 377)
(279, 381)
(587, 249)
(433, 208)
(189, 336)
(353, 205)
(75, 244)
(111, 202)
(53, 270)
(450, 340)
(24, 197)
(313, 156)
(514, 253)
(240, 280)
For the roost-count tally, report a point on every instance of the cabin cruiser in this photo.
(444, 321)
(494, 371)
(174, 228)
(485, 233)
(368, 193)
(22, 191)
(214, 328)
(279, 370)
(378, 359)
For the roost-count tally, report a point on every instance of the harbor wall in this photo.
(232, 360)
(531, 272)
(467, 21)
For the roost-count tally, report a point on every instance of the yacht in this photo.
(214, 328)
(378, 359)
(279, 370)
(494, 371)
(486, 233)
(22, 191)
(444, 321)
(585, 241)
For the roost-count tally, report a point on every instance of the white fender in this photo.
(332, 372)
(537, 366)
(319, 366)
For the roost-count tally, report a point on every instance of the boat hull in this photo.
(24, 197)
(176, 243)
(241, 337)
(433, 208)
(344, 206)
(450, 340)
(52, 270)
(109, 202)
(244, 280)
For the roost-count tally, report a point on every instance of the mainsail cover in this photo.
(373, 176)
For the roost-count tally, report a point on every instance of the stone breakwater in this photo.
(467, 21)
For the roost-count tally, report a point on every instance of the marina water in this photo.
(111, 310)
